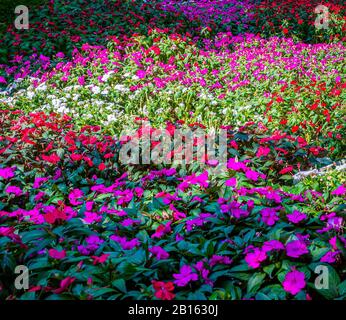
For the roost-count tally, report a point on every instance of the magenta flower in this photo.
(269, 216)
(294, 282)
(330, 256)
(7, 173)
(252, 175)
(296, 216)
(56, 254)
(159, 253)
(272, 245)
(81, 80)
(231, 182)
(185, 276)
(339, 191)
(74, 197)
(255, 258)
(216, 259)
(124, 243)
(235, 165)
(296, 248)
(128, 222)
(141, 74)
(38, 182)
(14, 190)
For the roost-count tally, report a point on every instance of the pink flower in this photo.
(262, 151)
(159, 253)
(3, 80)
(101, 259)
(7, 173)
(60, 55)
(296, 216)
(64, 284)
(185, 276)
(294, 282)
(296, 248)
(55, 254)
(255, 258)
(81, 80)
(13, 189)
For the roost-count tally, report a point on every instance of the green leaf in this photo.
(120, 284)
(255, 282)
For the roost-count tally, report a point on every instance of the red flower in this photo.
(163, 290)
(53, 158)
(76, 157)
(101, 259)
(285, 31)
(102, 166)
(295, 129)
(286, 170)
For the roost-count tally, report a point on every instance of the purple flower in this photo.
(185, 276)
(272, 245)
(296, 248)
(159, 253)
(215, 259)
(296, 216)
(199, 221)
(128, 222)
(124, 243)
(294, 282)
(204, 272)
(255, 258)
(269, 216)
(330, 256)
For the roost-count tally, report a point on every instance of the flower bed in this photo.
(78, 87)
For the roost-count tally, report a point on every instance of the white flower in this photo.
(95, 89)
(30, 94)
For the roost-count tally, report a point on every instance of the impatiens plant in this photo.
(90, 78)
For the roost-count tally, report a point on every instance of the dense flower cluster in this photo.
(79, 227)
(92, 76)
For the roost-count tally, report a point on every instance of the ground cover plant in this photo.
(88, 77)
